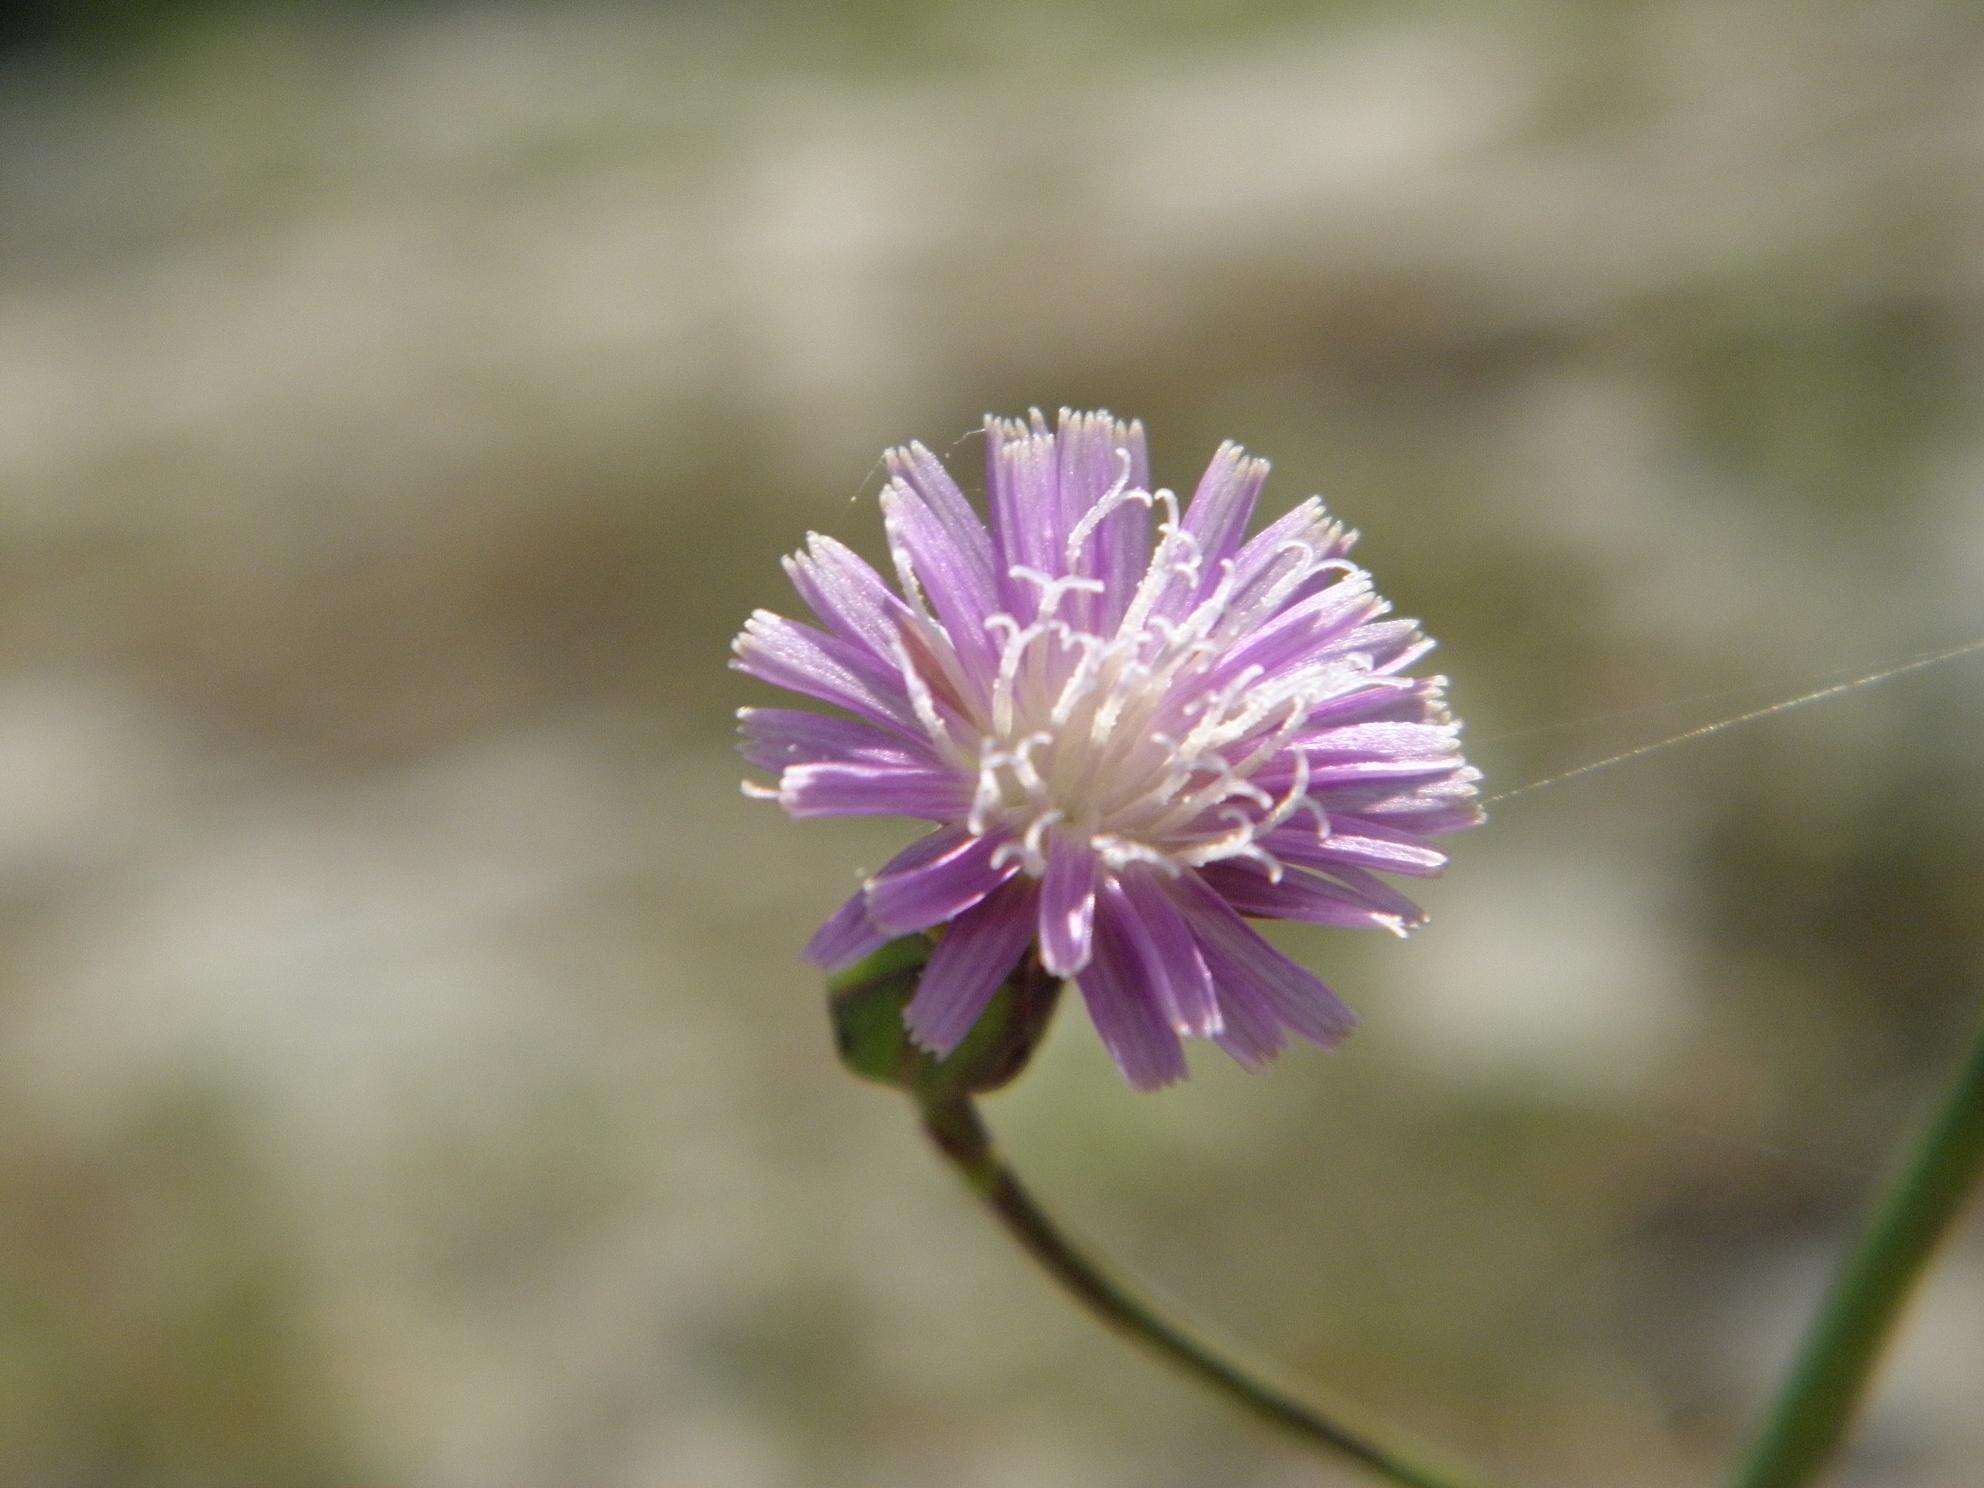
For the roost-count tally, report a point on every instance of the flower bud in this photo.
(866, 1002)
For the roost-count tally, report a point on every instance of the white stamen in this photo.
(1021, 763)
(1117, 495)
(1052, 589)
(921, 700)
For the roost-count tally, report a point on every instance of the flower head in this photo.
(1128, 739)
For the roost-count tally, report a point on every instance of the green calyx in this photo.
(866, 1002)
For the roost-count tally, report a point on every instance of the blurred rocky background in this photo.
(405, 1074)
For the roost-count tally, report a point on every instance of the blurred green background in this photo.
(405, 1073)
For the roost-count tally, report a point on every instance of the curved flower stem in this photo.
(953, 1123)
(1838, 1356)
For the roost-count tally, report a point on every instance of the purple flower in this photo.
(1126, 740)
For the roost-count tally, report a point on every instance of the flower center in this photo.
(1143, 735)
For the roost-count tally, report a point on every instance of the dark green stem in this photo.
(954, 1125)
(1833, 1366)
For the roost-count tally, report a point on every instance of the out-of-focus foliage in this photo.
(406, 1072)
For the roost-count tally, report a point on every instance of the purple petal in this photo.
(849, 933)
(1067, 904)
(1022, 497)
(1224, 502)
(1437, 742)
(1307, 524)
(874, 790)
(1366, 696)
(925, 474)
(1355, 826)
(976, 954)
(1355, 842)
(1300, 895)
(1366, 886)
(1253, 974)
(1095, 455)
(775, 738)
(1449, 797)
(958, 584)
(925, 849)
(1434, 821)
(850, 598)
(949, 872)
(846, 936)
(1122, 552)
(1167, 951)
(1304, 633)
(1392, 645)
(804, 660)
(1126, 1014)
(1084, 466)
(1278, 774)
(1249, 1031)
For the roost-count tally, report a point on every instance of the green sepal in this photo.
(866, 1002)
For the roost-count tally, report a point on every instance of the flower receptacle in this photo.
(866, 1002)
